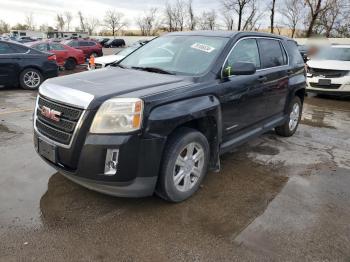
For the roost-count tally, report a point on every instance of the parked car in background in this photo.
(26, 39)
(329, 71)
(66, 56)
(26, 66)
(160, 118)
(114, 43)
(87, 46)
(104, 61)
(103, 41)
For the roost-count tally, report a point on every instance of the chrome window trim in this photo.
(256, 38)
(49, 140)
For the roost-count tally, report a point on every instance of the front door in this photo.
(241, 95)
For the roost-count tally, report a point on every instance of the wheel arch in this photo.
(200, 113)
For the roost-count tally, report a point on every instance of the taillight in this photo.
(51, 58)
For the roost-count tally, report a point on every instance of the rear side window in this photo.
(41, 47)
(245, 51)
(271, 53)
(294, 53)
(91, 43)
(6, 49)
(83, 43)
(58, 47)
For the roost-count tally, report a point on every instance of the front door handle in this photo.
(262, 79)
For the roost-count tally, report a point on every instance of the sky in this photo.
(44, 11)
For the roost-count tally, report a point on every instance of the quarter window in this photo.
(271, 53)
(245, 51)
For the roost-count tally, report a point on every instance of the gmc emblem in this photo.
(50, 114)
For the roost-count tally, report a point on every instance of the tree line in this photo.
(303, 18)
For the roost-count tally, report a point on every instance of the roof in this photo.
(227, 34)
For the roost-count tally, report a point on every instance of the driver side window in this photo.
(245, 51)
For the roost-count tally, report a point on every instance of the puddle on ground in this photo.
(5, 129)
(226, 203)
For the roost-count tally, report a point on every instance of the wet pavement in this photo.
(275, 199)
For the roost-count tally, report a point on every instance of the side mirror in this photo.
(239, 68)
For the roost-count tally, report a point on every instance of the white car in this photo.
(103, 61)
(329, 71)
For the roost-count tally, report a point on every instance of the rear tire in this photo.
(294, 116)
(70, 64)
(30, 79)
(184, 165)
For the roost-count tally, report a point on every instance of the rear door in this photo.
(84, 45)
(9, 60)
(275, 70)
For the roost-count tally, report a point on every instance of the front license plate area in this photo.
(324, 82)
(47, 150)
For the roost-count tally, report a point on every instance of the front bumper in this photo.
(339, 86)
(137, 168)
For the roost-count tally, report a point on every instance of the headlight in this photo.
(118, 115)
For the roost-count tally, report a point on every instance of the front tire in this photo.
(184, 165)
(30, 79)
(294, 116)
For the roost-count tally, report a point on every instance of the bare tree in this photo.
(207, 20)
(254, 16)
(192, 20)
(114, 21)
(29, 20)
(228, 20)
(333, 17)
(292, 14)
(91, 24)
(272, 16)
(148, 23)
(82, 21)
(4, 27)
(239, 6)
(60, 22)
(316, 7)
(175, 15)
(69, 17)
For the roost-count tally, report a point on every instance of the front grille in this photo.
(98, 66)
(61, 131)
(331, 86)
(327, 73)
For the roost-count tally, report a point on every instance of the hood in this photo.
(108, 59)
(329, 64)
(98, 85)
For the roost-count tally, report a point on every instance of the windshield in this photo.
(335, 53)
(127, 51)
(184, 55)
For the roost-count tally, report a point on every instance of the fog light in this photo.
(111, 163)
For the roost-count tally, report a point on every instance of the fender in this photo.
(163, 120)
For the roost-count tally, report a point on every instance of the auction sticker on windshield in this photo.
(203, 47)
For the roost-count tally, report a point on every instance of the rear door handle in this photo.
(262, 79)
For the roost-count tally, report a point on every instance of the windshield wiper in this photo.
(153, 70)
(118, 65)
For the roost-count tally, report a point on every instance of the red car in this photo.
(67, 56)
(89, 47)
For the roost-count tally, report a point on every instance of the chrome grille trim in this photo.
(73, 135)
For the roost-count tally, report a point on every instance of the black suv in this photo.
(160, 118)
